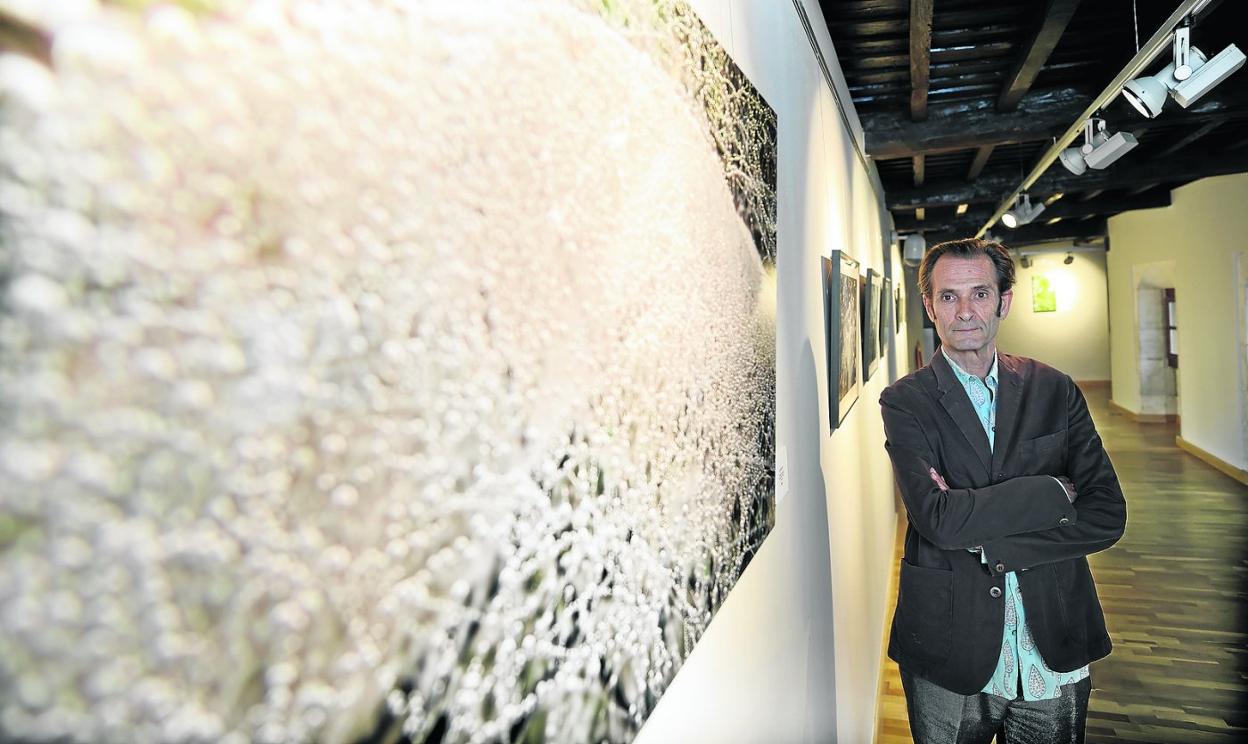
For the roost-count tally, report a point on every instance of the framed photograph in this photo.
(843, 342)
(869, 307)
(899, 310)
(886, 310)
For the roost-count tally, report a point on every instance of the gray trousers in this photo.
(938, 716)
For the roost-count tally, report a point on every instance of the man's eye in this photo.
(947, 297)
(981, 295)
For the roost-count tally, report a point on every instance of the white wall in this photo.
(1074, 338)
(1201, 231)
(794, 653)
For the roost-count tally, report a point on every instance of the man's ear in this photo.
(1003, 304)
(927, 306)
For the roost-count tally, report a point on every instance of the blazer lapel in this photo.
(958, 405)
(1009, 394)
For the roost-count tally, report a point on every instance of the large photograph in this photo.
(841, 317)
(373, 371)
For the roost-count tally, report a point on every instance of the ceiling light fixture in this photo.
(1188, 77)
(1099, 149)
(1022, 212)
(1189, 12)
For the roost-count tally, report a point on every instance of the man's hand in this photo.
(1071, 493)
(940, 482)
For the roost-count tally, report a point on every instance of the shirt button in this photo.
(1063, 520)
(1000, 567)
(995, 592)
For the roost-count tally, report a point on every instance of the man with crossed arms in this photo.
(1007, 490)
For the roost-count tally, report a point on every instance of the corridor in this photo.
(1174, 591)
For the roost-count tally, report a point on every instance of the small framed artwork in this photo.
(843, 338)
(899, 311)
(1043, 297)
(870, 311)
(886, 311)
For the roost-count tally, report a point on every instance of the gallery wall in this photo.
(1074, 337)
(794, 653)
(1201, 232)
(434, 369)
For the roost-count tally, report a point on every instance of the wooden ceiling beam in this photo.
(918, 163)
(1064, 208)
(967, 124)
(1040, 115)
(1057, 15)
(995, 185)
(1191, 137)
(1034, 233)
(920, 56)
(1146, 186)
(982, 153)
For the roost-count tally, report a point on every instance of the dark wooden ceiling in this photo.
(959, 99)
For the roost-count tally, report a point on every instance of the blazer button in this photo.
(1063, 520)
(1000, 567)
(995, 592)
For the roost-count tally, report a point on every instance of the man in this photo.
(1007, 488)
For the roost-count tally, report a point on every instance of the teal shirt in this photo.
(1020, 659)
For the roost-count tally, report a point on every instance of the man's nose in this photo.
(964, 310)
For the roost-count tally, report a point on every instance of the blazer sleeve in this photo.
(1100, 504)
(964, 517)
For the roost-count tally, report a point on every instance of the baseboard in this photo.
(1212, 459)
(1144, 418)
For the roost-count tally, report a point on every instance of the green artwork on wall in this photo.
(1043, 296)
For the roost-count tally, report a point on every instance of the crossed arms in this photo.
(1020, 522)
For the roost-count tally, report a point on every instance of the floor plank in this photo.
(1174, 591)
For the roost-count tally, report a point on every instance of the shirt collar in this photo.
(964, 377)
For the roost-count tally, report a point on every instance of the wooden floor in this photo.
(1175, 593)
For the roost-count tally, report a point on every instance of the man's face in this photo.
(963, 303)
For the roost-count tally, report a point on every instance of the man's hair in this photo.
(968, 248)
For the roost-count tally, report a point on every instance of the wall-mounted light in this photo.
(913, 246)
(1099, 149)
(1025, 261)
(1068, 260)
(1022, 212)
(1188, 77)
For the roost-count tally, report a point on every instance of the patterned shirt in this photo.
(1019, 655)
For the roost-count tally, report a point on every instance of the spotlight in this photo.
(1022, 212)
(1099, 150)
(1207, 76)
(912, 249)
(1068, 260)
(1186, 79)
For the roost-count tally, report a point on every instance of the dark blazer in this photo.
(950, 614)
